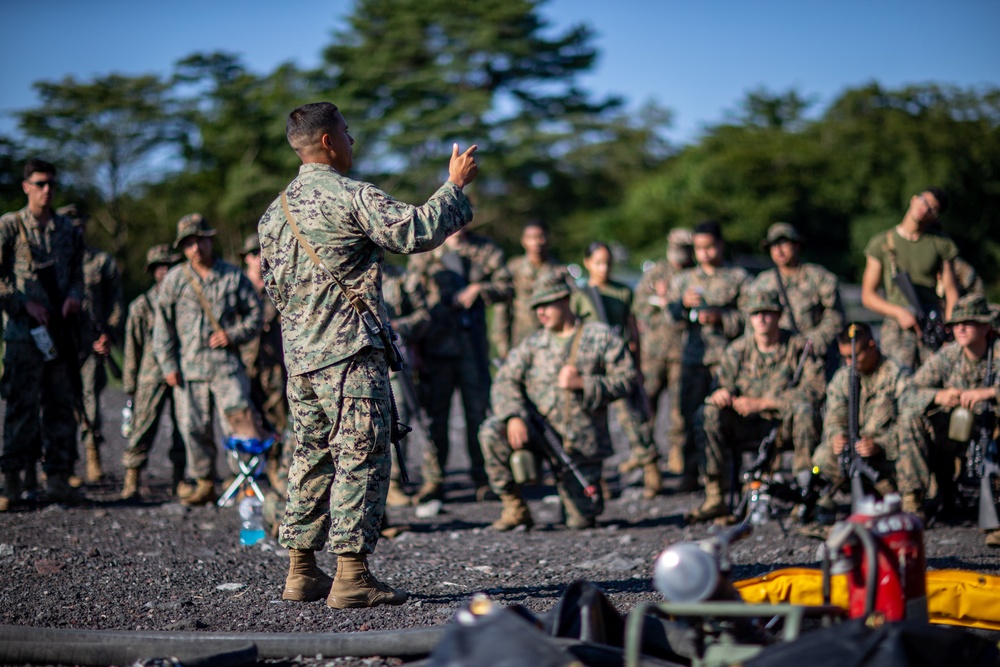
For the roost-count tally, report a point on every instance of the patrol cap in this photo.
(756, 301)
(550, 287)
(779, 231)
(161, 254)
(77, 214)
(192, 224)
(251, 244)
(971, 308)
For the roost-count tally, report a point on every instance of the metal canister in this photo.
(960, 424)
(524, 467)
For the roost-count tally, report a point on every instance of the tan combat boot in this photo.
(95, 473)
(428, 491)
(675, 461)
(515, 513)
(397, 497)
(628, 465)
(355, 586)
(993, 539)
(131, 489)
(203, 493)
(652, 480)
(913, 503)
(305, 581)
(714, 505)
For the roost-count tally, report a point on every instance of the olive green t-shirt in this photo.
(617, 300)
(921, 259)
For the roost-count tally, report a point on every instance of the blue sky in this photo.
(697, 58)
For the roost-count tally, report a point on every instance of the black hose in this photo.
(99, 654)
(390, 643)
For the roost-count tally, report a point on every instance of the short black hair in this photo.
(536, 223)
(38, 166)
(595, 246)
(862, 333)
(711, 227)
(309, 121)
(943, 200)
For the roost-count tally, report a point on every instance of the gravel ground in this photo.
(158, 565)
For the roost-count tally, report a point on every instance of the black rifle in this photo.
(982, 458)
(64, 336)
(852, 465)
(931, 326)
(107, 359)
(418, 416)
(553, 444)
(638, 397)
(783, 293)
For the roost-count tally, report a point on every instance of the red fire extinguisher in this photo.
(881, 548)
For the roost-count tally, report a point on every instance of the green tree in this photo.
(107, 134)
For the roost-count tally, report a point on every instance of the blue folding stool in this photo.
(248, 455)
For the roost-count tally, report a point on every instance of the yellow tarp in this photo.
(954, 597)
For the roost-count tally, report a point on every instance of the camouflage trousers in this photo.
(661, 375)
(829, 464)
(695, 384)
(497, 452)
(925, 450)
(194, 401)
(339, 478)
(39, 421)
(147, 410)
(443, 376)
(94, 379)
(721, 432)
(638, 431)
(903, 345)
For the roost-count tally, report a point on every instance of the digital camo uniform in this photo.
(579, 417)
(925, 447)
(883, 395)
(513, 319)
(143, 380)
(745, 371)
(662, 339)
(703, 345)
(100, 313)
(967, 278)
(407, 307)
(455, 349)
(210, 376)
(922, 259)
(338, 383)
(813, 293)
(39, 394)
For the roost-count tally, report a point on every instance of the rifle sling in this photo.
(368, 317)
(205, 306)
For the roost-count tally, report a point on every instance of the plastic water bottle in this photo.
(252, 513)
(127, 420)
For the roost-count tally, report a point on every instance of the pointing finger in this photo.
(472, 149)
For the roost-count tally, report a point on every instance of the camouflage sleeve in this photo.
(413, 325)
(508, 391)
(619, 374)
(644, 289)
(835, 421)
(501, 329)
(166, 346)
(733, 320)
(250, 321)
(729, 367)
(888, 437)
(134, 343)
(493, 288)
(405, 229)
(930, 377)
(811, 385)
(674, 295)
(112, 284)
(12, 300)
(832, 322)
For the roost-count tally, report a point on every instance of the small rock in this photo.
(47, 566)
(229, 587)
(485, 569)
(115, 525)
(6, 550)
(626, 539)
(428, 509)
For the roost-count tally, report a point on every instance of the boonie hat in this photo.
(779, 231)
(251, 244)
(680, 237)
(550, 287)
(756, 301)
(971, 308)
(161, 254)
(192, 224)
